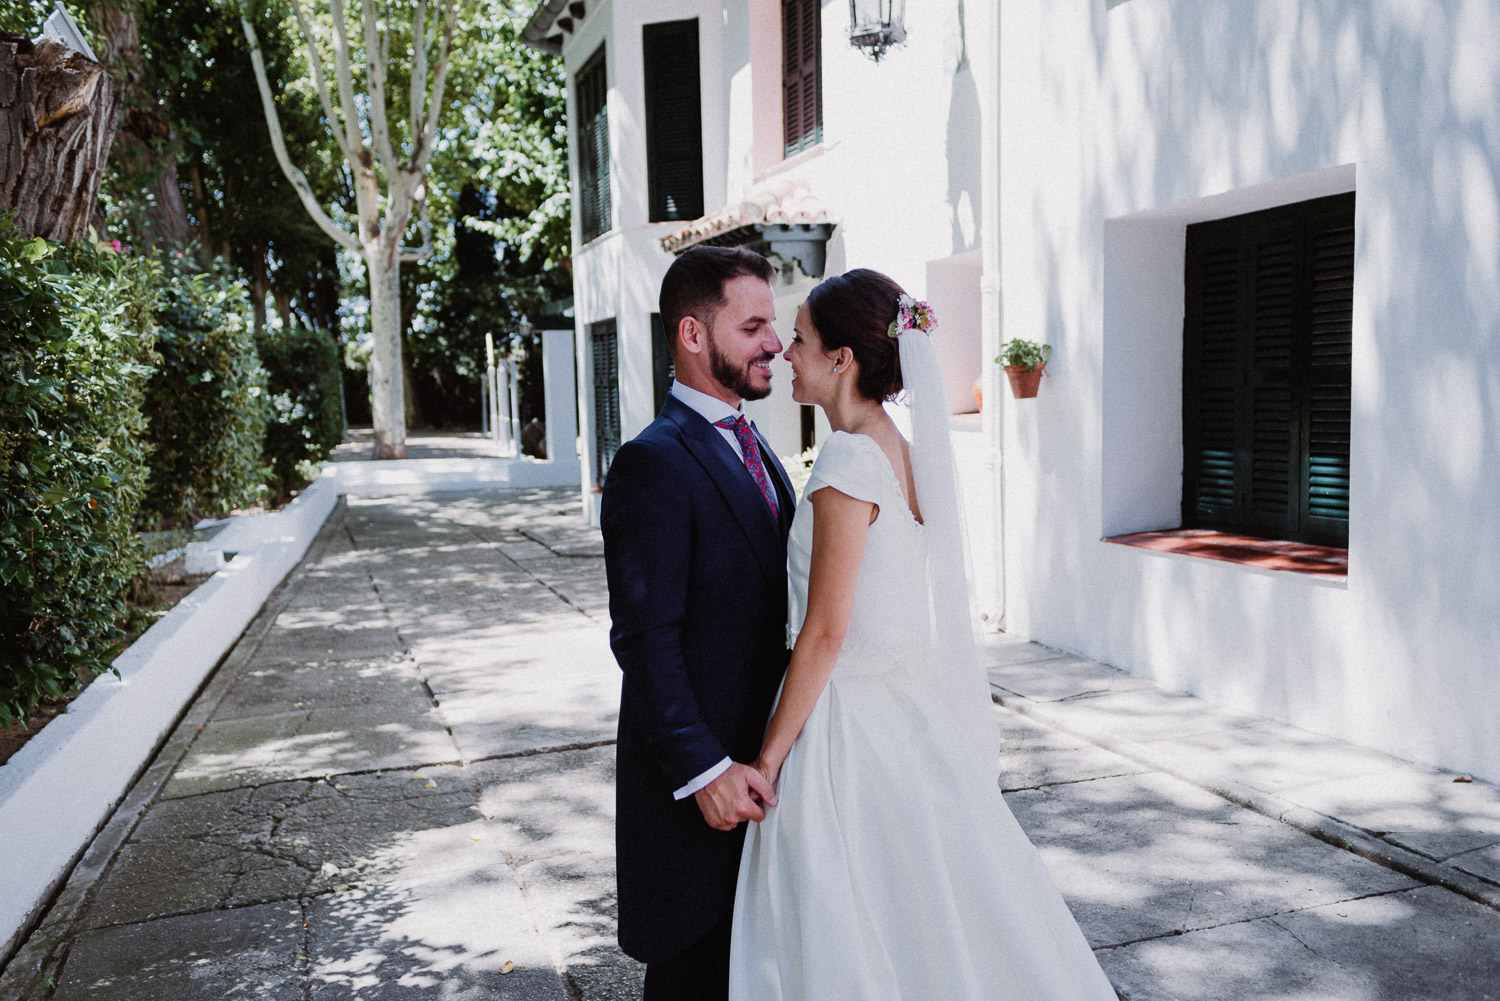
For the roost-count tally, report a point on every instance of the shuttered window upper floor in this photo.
(591, 92)
(802, 74)
(674, 120)
(1267, 372)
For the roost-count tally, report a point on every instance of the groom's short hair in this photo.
(694, 284)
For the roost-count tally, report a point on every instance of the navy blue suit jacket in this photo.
(697, 597)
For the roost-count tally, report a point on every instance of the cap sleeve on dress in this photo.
(849, 464)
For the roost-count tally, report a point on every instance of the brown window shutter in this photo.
(802, 74)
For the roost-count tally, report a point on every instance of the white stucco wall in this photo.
(1119, 126)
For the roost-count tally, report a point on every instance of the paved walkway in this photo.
(399, 786)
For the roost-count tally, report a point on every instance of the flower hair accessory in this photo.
(911, 314)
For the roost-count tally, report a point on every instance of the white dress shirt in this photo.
(711, 409)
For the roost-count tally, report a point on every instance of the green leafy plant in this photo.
(206, 402)
(1025, 354)
(74, 362)
(303, 370)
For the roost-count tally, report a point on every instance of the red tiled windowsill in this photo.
(1266, 554)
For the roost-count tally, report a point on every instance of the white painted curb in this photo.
(397, 476)
(57, 790)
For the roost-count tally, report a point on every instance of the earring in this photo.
(835, 368)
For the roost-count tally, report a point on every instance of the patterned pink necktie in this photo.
(741, 429)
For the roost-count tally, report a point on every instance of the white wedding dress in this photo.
(891, 867)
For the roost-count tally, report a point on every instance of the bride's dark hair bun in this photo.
(854, 310)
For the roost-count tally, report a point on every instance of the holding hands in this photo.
(741, 793)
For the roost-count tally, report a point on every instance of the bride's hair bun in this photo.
(854, 310)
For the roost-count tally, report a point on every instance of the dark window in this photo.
(662, 369)
(606, 395)
(593, 147)
(1266, 376)
(802, 73)
(674, 121)
(809, 427)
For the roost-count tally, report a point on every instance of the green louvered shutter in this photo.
(1266, 376)
(591, 95)
(606, 359)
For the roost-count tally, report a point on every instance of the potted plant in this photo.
(1024, 361)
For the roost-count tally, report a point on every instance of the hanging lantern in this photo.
(875, 25)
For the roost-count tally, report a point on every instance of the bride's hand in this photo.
(770, 769)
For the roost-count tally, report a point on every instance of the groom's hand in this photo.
(740, 794)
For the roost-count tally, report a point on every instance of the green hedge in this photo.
(303, 372)
(74, 361)
(206, 403)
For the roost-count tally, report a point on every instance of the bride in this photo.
(889, 866)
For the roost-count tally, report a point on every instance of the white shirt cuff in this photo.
(703, 780)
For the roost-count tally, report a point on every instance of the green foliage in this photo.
(239, 202)
(206, 403)
(73, 368)
(501, 210)
(24, 17)
(1027, 354)
(303, 371)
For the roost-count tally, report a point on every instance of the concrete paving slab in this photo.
(330, 741)
(506, 712)
(151, 883)
(1416, 807)
(1001, 649)
(1272, 756)
(357, 639)
(550, 805)
(1145, 715)
(451, 938)
(248, 952)
(1033, 755)
(1148, 855)
(558, 814)
(1059, 678)
(266, 690)
(1482, 862)
(1417, 945)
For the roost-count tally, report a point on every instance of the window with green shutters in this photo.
(802, 73)
(591, 95)
(674, 120)
(1266, 372)
(606, 358)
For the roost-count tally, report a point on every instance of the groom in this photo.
(695, 514)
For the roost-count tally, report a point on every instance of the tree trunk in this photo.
(259, 283)
(387, 389)
(58, 110)
(146, 136)
(283, 308)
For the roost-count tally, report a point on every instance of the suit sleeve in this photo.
(648, 538)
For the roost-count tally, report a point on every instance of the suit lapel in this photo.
(735, 484)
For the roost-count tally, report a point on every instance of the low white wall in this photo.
(58, 789)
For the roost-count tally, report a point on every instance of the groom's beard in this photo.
(736, 380)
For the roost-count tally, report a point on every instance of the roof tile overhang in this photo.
(783, 218)
(545, 29)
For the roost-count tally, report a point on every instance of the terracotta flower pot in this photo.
(1023, 384)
